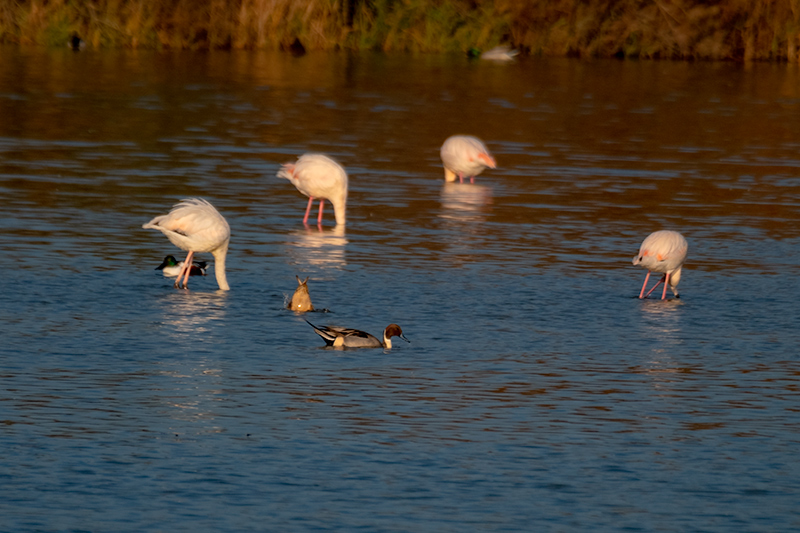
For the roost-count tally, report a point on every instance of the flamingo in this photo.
(353, 338)
(194, 225)
(464, 155)
(662, 251)
(319, 176)
(500, 53)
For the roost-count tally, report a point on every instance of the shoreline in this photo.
(674, 30)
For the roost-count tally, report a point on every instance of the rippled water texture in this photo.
(537, 393)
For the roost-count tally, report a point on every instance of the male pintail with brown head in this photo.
(352, 338)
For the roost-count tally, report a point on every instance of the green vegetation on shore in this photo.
(672, 29)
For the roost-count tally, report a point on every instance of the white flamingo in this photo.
(500, 53)
(465, 156)
(194, 225)
(319, 176)
(662, 251)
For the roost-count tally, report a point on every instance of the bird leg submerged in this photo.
(665, 280)
(308, 210)
(644, 285)
(185, 271)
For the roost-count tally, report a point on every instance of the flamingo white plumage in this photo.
(194, 225)
(319, 176)
(662, 251)
(500, 53)
(465, 156)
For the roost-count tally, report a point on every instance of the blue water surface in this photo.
(538, 393)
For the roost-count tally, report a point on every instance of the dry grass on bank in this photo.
(675, 29)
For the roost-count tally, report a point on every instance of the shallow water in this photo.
(537, 393)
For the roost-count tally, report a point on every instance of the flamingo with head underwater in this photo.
(194, 225)
(662, 251)
(319, 176)
(465, 156)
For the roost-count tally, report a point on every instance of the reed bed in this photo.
(670, 29)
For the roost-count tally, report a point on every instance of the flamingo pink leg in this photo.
(472, 179)
(666, 282)
(308, 209)
(654, 287)
(461, 177)
(186, 269)
(319, 218)
(644, 285)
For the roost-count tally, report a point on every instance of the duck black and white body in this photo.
(171, 267)
(353, 338)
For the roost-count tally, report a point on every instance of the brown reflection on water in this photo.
(593, 155)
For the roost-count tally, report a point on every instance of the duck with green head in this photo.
(171, 267)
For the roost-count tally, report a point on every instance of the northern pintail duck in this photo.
(301, 300)
(353, 338)
(662, 251)
(171, 267)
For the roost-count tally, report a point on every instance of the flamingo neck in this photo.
(449, 175)
(219, 266)
(340, 212)
(675, 278)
